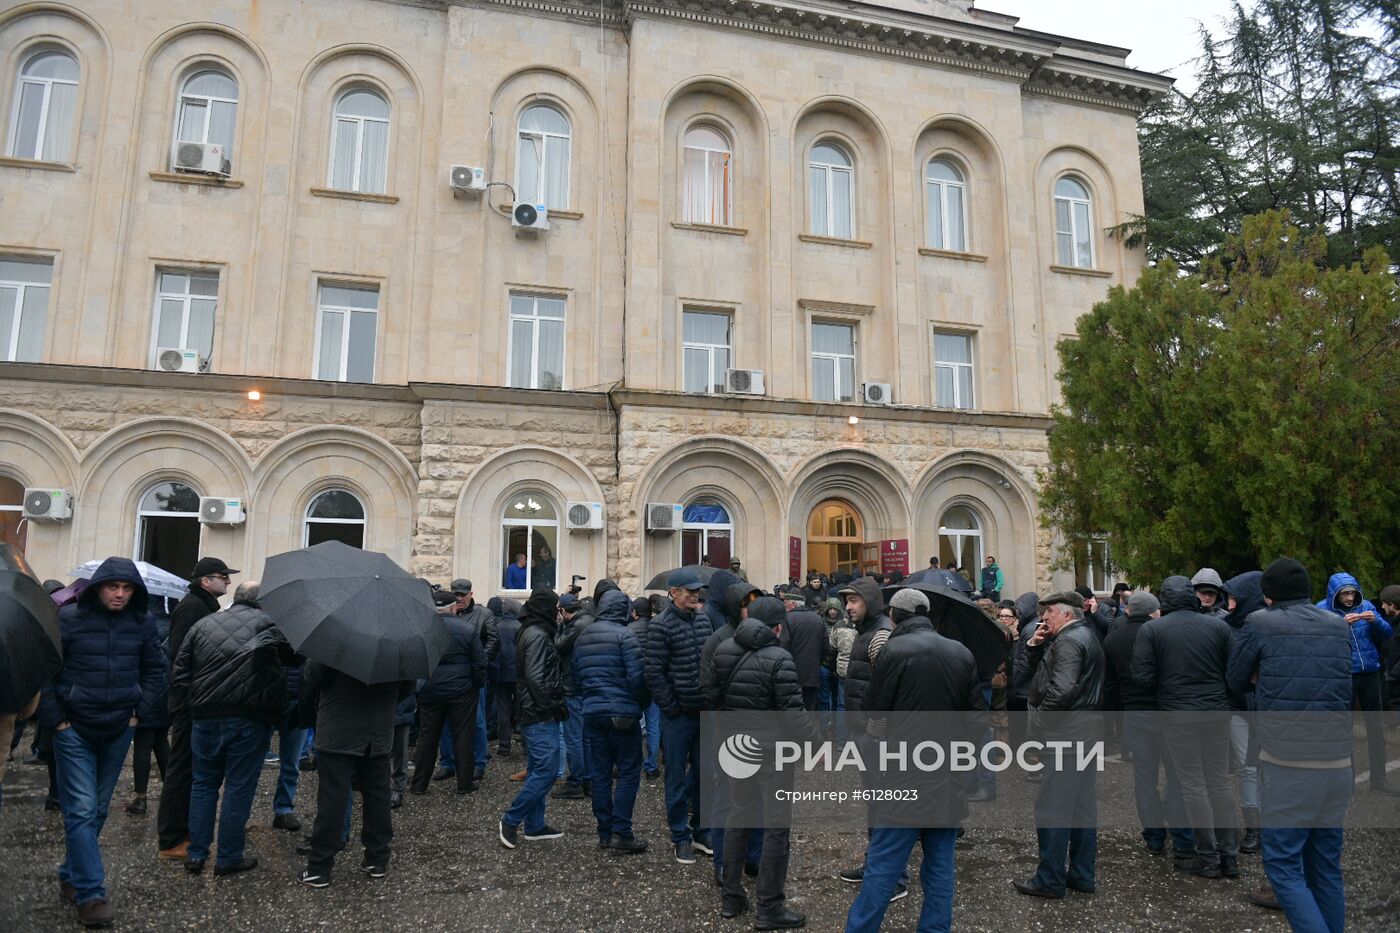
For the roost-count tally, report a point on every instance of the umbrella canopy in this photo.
(70, 593)
(355, 611)
(946, 578)
(31, 649)
(662, 580)
(158, 582)
(957, 617)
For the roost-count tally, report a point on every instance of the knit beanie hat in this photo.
(1286, 578)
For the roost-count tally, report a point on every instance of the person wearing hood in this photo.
(1390, 609)
(1210, 592)
(574, 619)
(1027, 608)
(508, 630)
(753, 672)
(642, 612)
(113, 671)
(607, 661)
(1369, 634)
(539, 708)
(1244, 595)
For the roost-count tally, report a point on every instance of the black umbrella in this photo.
(953, 581)
(957, 617)
(355, 611)
(662, 581)
(31, 649)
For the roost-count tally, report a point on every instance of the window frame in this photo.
(186, 298)
(543, 137)
(708, 348)
(978, 533)
(512, 317)
(184, 97)
(943, 185)
(322, 308)
(728, 180)
(21, 531)
(970, 366)
(813, 355)
(830, 169)
(505, 522)
(143, 514)
(307, 520)
(9, 345)
(1072, 202)
(42, 130)
(360, 121)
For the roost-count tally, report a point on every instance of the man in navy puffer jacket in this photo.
(607, 665)
(113, 672)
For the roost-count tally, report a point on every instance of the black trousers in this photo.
(1200, 753)
(753, 804)
(809, 698)
(335, 772)
(460, 715)
(1366, 696)
(173, 819)
(505, 715)
(145, 742)
(398, 778)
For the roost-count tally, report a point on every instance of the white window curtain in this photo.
(945, 190)
(952, 370)
(831, 189)
(542, 158)
(46, 100)
(1074, 245)
(186, 304)
(706, 350)
(24, 303)
(360, 147)
(707, 180)
(208, 110)
(536, 342)
(347, 328)
(833, 362)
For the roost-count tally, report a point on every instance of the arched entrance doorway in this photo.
(835, 535)
(960, 540)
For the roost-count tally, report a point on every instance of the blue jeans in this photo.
(831, 698)
(1302, 852)
(574, 742)
(225, 752)
(1142, 738)
(886, 859)
(1066, 797)
(681, 737)
(481, 751)
(87, 774)
(609, 747)
(289, 745)
(652, 725)
(447, 755)
(541, 761)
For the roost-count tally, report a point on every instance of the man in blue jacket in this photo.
(607, 663)
(113, 672)
(1369, 631)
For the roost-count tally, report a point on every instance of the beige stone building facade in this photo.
(865, 203)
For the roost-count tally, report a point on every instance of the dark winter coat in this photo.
(539, 678)
(353, 718)
(1028, 617)
(570, 631)
(1121, 691)
(871, 634)
(725, 611)
(508, 628)
(758, 671)
(161, 706)
(608, 662)
(1065, 674)
(231, 665)
(113, 666)
(485, 622)
(193, 606)
(462, 669)
(1247, 591)
(804, 636)
(675, 640)
(1367, 636)
(1183, 654)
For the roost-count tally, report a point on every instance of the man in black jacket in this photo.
(1183, 656)
(208, 581)
(450, 696)
(804, 636)
(229, 676)
(539, 708)
(466, 607)
(574, 620)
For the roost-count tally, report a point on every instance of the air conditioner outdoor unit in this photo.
(48, 505)
(584, 516)
(664, 517)
(529, 219)
(201, 159)
(743, 381)
(466, 179)
(877, 393)
(177, 360)
(216, 511)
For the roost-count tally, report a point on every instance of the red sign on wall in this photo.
(894, 555)
(795, 559)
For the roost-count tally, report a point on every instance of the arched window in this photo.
(832, 180)
(334, 515)
(167, 527)
(208, 110)
(13, 527)
(945, 195)
(708, 179)
(706, 531)
(960, 539)
(360, 142)
(834, 538)
(530, 531)
(45, 111)
(1074, 232)
(542, 162)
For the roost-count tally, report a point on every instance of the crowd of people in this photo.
(605, 690)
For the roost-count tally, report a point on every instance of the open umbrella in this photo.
(662, 580)
(31, 649)
(957, 617)
(158, 582)
(953, 581)
(355, 611)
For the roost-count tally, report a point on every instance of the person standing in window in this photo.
(545, 567)
(516, 573)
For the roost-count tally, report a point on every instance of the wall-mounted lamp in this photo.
(254, 395)
(853, 419)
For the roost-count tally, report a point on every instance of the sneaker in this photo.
(627, 845)
(234, 868)
(901, 891)
(287, 821)
(685, 853)
(314, 881)
(96, 914)
(544, 832)
(508, 834)
(272, 758)
(374, 871)
(194, 866)
(701, 844)
(786, 920)
(853, 875)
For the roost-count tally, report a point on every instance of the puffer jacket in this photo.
(462, 669)
(570, 631)
(608, 662)
(1027, 618)
(539, 679)
(871, 634)
(758, 672)
(725, 613)
(231, 665)
(113, 666)
(675, 640)
(1183, 654)
(1367, 635)
(1302, 658)
(1247, 590)
(717, 606)
(508, 628)
(161, 706)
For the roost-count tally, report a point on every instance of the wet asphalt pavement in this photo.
(450, 873)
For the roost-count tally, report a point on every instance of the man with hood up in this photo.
(1369, 634)
(1027, 618)
(508, 629)
(1210, 592)
(574, 619)
(642, 612)
(539, 708)
(113, 671)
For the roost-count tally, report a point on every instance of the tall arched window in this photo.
(167, 527)
(530, 532)
(832, 195)
(708, 179)
(1074, 231)
(960, 539)
(360, 142)
(13, 527)
(944, 195)
(334, 515)
(45, 110)
(208, 109)
(542, 161)
(706, 531)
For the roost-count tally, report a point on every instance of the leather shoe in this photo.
(96, 914)
(194, 866)
(730, 909)
(233, 868)
(1266, 898)
(1081, 888)
(1032, 889)
(287, 821)
(787, 920)
(1383, 787)
(1229, 867)
(442, 774)
(395, 800)
(177, 853)
(1249, 842)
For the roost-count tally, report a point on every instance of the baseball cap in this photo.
(209, 566)
(686, 580)
(569, 601)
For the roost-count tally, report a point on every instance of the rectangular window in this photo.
(346, 330)
(536, 341)
(186, 303)
(1093, 566)
(952, 370)
(24, 304)
(833, 362)
(706, 342)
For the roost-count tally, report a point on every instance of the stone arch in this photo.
(732, 108)
(872, 485)
(539, 84)
(864, 135)
(35, 453)
(968, 145)
(1103, 193)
